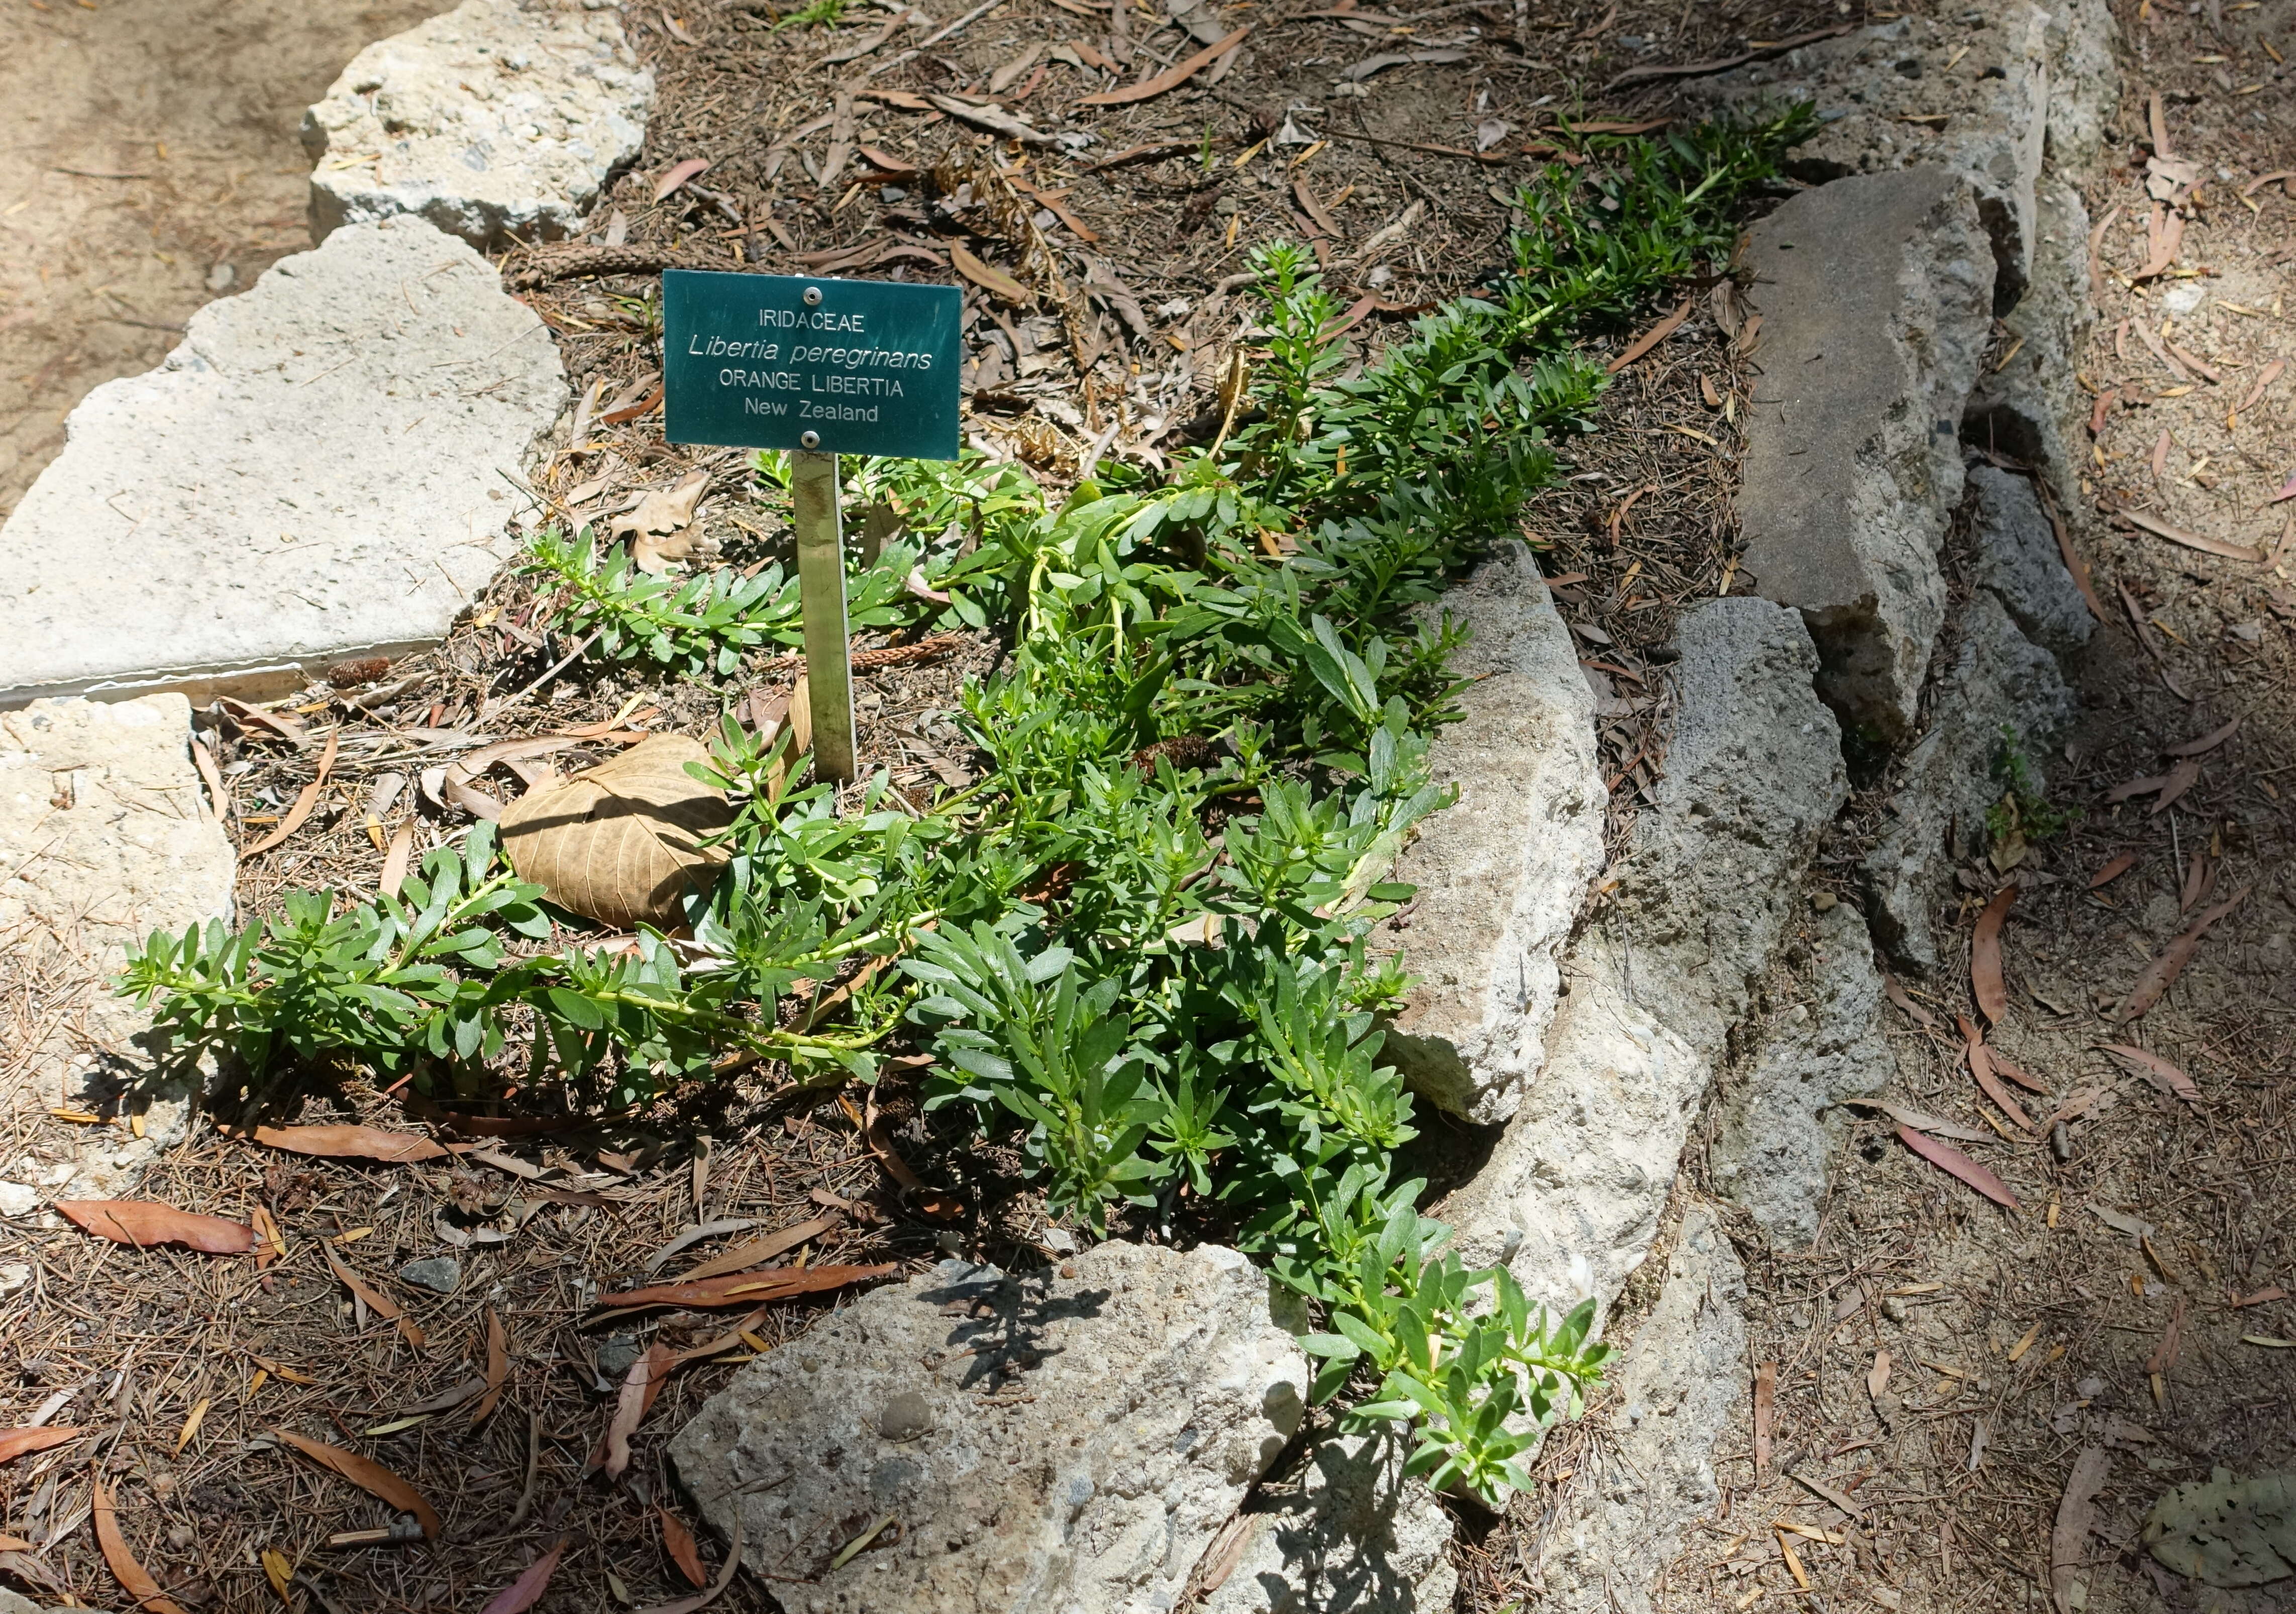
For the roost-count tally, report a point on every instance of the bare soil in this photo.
(153, 163)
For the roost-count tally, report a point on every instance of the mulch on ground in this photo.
(179, 1364)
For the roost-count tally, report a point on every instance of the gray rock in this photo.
(1777, 1125)
(1347, 1535)
(18, 1198)
(2017, 558)
(440, 1274)
(1875, 293)
(493, 121)
(1083, 1439)
(317, 470)
(2047, 83)
(2028, 406)
(2000, 690)
(106, 835)
(1503, 872)
(1571, 1195)
(1674, 1391)
(614, 1355)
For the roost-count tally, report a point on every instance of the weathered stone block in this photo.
(495, 122)
(1068, 1445)
(1985, 95)
(1676, 1389)
(1571, 1194)
(1875, 293)
(318, 469)
(106, 835)
(1778, 1126)
(1349, 1535)
(2001, 690)
(2017, 559)
(1503, 872)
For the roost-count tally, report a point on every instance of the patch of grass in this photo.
(1136, 947)
(815, 13)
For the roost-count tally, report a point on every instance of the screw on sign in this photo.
(818, 367)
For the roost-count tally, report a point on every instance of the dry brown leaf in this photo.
(2112, 871)
(747, 1288)
(1952, 1161)
(355, 1142)
(376, 1301)
(370, 1477)
(131, 1576)
(658, 525)
(704, 1598)
(1924, 1122)
(622, 844)
(1650, 338)
(143, 1222)
(2206, 743)
(679, 1541)
(527, 1589)
(988, 277)
(678, 174)
(1985, 980)
(2162, 974)
(2193, 540)
(498, 1367)
(2014, 1072)
(1980, 1066)
(395, 860)
(1897, 994)
(641, 1386)
(1878, 1380)
(1172, 77)
(2069, 1544)
(304, 802)
(757, 1251)
(15, 1442)
(2156, 1071)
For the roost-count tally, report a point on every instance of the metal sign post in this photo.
(818, 367)
(821, 594)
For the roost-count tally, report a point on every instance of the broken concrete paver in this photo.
(1046, 1441)
(106, 835)
(1876, 297)
(495, 122)
(320, 468)
(1503, 872)
(1571, 1195)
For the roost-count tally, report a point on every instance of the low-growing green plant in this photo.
(1137, 947)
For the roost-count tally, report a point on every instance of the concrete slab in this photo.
(106, 835)
(1502, 872)
(1875, 294)
(315, 471)
(495, 121)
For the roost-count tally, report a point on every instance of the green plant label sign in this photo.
(786, 361)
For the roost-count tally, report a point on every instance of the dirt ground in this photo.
(152, 163)
(1146, 242)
